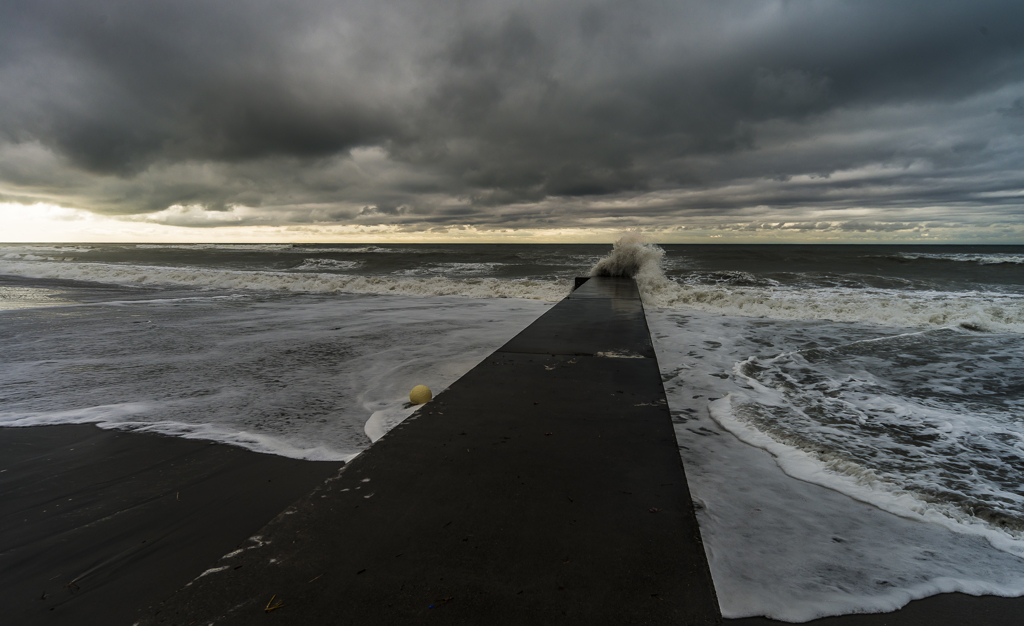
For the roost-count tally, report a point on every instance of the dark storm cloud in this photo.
(524, 114)
(115, 86)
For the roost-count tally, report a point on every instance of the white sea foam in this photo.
(306, 282)
(28, 256)
(797, 550)
(966, 257)
(922, 424)
(131, 416)
(272, 247)
(728, 279)
(451, 269)
(31, 248)
(298, 377)
(319, 265)
(829, 469)
(248, 247)
(983, 311)
(380, 250)
(632, 256)
(19, 297)
(367, 250)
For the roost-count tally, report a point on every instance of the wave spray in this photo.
(632, 256)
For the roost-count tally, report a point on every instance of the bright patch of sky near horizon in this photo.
(48, 223)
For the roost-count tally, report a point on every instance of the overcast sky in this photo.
(774, 120)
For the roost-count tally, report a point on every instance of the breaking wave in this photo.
(963, 257)
(22, 249)
(451, 269)
(632, 257)
(306, 282)
(730, 279)
(265, 247)
(728, 293)
(980, 311)
(241, 247)
(744, 295)
(320, 265)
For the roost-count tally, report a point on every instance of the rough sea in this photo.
(851, 418)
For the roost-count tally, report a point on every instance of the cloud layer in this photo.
(555, 114)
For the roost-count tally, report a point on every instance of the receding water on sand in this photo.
(298, 376)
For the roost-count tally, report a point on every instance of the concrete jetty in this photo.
(544, 486)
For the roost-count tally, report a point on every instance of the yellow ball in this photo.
(420, 394)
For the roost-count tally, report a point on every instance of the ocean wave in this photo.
(680, 263)
(981, 311)
(978, 311)
(457, 269)
(247, 247)
(370, 249)
(319, 265)
(962, 257)
(836, 555)
(943, 430)
(293, 248)
(633, 257)
(306, 282)
(380, 250)
(563, 260)
(731, 279)
(30, 249)
(750, 416)
(25, 256)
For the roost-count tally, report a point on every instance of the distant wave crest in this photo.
(319, 265)
(962, 257)
(737, 294)
(304, 282)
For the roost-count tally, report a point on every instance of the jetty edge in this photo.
(544, 486)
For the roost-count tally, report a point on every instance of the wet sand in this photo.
(98, 525)
(947, 608)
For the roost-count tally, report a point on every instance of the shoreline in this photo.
(943, 608)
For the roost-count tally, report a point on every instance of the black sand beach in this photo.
(946, 608)
(97, 525)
